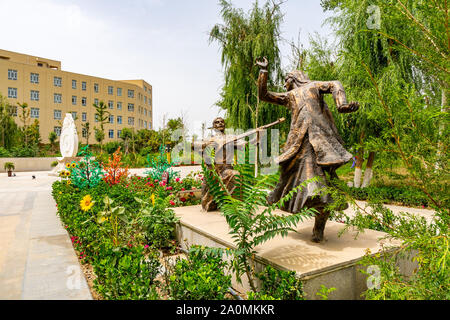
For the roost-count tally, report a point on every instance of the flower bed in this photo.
(121, 225)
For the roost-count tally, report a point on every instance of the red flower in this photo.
(183, 199)
(172, 203)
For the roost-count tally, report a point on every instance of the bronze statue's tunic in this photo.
(313, 147)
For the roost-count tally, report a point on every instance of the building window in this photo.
(110, 90)
(96, 87)
(12, 92)
(111, 104)
(119, 105)
(119, 132)
(119, 119)
(74, 115)
(84, 117)
(34, 113)
(145, 99)
(130, 107)
(145, 112)
(96, 118)
(145, 124)
(83, 85)
(83, 101)
(111, 133)
(74, 100)
(34, 95)
(34, 77)
(84, 132)
(145, 88)
(149, 101)
(12, 74)
(57, 98)
(57, 114)
(74, 84)
(57, 81)
(130, 120)
(96, 102)
(119, 92)
(130, 93)
(57, 130)
(111, 119)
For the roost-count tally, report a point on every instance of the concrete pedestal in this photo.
(332, 263)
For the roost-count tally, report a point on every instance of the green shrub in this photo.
(126, 273)
(199, 277)
(158, 223)
(278, 285)
(4, 153)
(111, 146)
(406, 195)
(25, 151)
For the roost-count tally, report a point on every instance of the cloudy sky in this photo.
(164, 42)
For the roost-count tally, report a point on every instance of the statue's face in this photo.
(289, 85)
(219, 124)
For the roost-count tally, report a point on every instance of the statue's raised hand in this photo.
(349, 107)
(262, 63)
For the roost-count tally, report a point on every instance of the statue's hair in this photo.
(299, 77)
(212, 127)
(218, 119)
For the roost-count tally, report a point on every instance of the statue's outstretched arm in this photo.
(338, 92)
(264, 95)
(268, 96)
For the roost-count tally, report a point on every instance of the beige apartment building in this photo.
(51, 93)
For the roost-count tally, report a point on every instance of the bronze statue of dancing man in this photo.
(313, 147)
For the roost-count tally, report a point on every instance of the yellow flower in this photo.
(86, 203)
(74, 165)
(68, 165)
(153, 198)
(68, 182)
(60, 192)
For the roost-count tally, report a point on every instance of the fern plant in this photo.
(251, 221)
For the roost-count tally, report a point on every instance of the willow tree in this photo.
(366, 32)
(8, 127)
(243, 38)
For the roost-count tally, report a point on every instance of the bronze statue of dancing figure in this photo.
(313, 147)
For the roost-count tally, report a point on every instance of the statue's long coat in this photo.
(313, 147)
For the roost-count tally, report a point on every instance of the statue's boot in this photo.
(275, 195)
(319, 225)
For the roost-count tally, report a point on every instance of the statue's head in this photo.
(219, 124)
(296, 79)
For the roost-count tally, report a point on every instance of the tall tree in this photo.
(102, 116)
(87, 131)
(243, 38)
(362, 30)
(24, 116)
(8, 127)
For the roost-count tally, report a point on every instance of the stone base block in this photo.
(333, 263)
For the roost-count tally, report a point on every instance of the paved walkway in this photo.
(37, 260)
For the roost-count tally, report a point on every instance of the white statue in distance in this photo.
(68, 141)
(68, 144)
